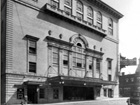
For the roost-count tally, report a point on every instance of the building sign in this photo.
(20, 93)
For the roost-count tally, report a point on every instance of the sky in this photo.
(129, 30)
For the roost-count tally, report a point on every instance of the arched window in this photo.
(55, 3)
(99, 19)
(78, 54)
(90, 15)
(79, 10)
(68, 7)
(110, 26)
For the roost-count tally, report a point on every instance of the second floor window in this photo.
(98, 65)
(65, 58)
(79, 10)
(68, 7)
(32, 67)
(78, 56)
(90, 15)
(99, 20)
(55, 56)
(110, 26)
(55, 3)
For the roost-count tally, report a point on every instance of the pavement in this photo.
(108, 101)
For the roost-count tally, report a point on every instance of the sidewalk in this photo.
(105, 101)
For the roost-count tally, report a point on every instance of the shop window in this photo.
(55, 56)
(56, 93)
(55, 3)
(32, 67)
(41, 93)
(110, 26)
(99, 20)
(105, 92)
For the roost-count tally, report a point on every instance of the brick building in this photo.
(128, 82)
(59, 50)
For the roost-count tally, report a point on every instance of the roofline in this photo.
(108, 8)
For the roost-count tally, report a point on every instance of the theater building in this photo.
(59, 50)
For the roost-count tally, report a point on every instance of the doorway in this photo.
(32, 93)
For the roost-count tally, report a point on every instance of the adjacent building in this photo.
(128, 82)
(59, 50)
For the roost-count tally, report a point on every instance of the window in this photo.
(109, 77)
(32, 47)
(90, 15)
(90, 63)
(105, 92)
(98, 65)
(32, 67)
(41, 93)
(65, 60)
(132, 79)
(55, 3)
(78, 55)
(138, 79)
(56, 93)
(110, 26)
(55, 56)
(109, 65)
(79, 10)
(68, 7)
(99, 20)
(126, 79)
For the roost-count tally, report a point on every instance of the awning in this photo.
(87, 81)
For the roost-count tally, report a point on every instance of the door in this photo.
(32, 93)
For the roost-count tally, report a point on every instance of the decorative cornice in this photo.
(106, 8)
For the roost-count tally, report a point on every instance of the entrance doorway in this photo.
(78, 93)
(32, 93)
(110, 93)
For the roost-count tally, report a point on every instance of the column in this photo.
(87, 63)
(101, 72)
(74, 7)
(60, 62)
(70, 62)
(85, 13)
(94, 68)
(61, 4)
(94, 18)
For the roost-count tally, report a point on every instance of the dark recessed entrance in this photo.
(78, 93)
(32, 93)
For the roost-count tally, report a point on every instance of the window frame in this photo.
(68, 7)
(88, 16)
(56, 93)
(41, 93)
(109, 77)
(98, 65)
(31, 48)
(30, 68)
(54, 2)
(79, 12)
(65, 55)
(99, 19)
(110, 26)
(55, 51)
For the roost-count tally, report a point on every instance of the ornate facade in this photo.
(59, 50)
